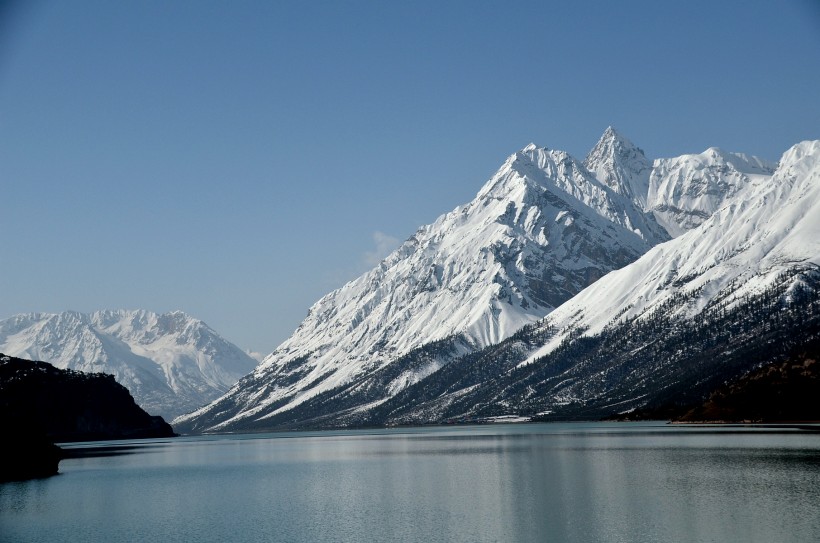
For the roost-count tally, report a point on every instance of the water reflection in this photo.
(561, 483)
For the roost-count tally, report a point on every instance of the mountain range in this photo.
(171, 363)
(740, 291)
(565, 289)
(478, 314)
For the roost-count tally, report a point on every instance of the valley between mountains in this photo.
(566, 289)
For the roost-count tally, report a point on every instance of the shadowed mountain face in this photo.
(41, 404)
(785, 391)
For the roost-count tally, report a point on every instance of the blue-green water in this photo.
(512, 483)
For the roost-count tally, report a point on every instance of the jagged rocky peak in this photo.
(770, 229)
(533, 173)
(680, 192)
(740, 290)
(621, 165)
(540, 230)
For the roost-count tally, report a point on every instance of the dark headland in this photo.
(41, 405)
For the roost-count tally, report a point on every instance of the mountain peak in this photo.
(539, 231)
(611, 133)
(544, 232)
(612, 136)
(743, 163)
(170, 362)
(621, 165)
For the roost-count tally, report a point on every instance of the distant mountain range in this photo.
(512, 305)
(171, 363)
(564, 289)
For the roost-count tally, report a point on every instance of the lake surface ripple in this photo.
(588, 482)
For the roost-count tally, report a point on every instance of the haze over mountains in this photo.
(542, 230)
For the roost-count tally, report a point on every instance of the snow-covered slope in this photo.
(171, 363)
(540, 230)
(620, 165)
(740, 290)
(766, 228)
(685, 191)
(681, 192)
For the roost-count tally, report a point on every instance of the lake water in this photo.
(590, 482)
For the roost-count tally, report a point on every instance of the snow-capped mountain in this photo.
(452, 324)
(740, 290)
(539, 231)
(620, 165)
(768, 228)
(171, 363)
(685, 191)
(680, 192)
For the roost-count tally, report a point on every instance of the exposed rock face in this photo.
(620, 165)
(509, 305)
(739, 291)
(686, 190)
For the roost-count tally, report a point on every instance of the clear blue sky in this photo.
(238, 160)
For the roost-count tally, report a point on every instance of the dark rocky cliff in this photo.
(40, 404)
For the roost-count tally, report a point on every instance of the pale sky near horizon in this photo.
(239, 160)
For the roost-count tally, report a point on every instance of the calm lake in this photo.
(619, 482)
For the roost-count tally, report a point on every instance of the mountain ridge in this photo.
(743, 287)
(551, 250)
(170, 362)
(537, 232)
(715, 186)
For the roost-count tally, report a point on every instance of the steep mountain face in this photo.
(619, 164)
(766, 230)
(680, 192)
(539, 231)
(451, 325)
(171, 363)
(779, 392)
(664, 364)
(739, 291)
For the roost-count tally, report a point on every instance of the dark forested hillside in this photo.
(660, 365)
(67, 405)
(658, 361)
(785, 391)
(40, 404)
